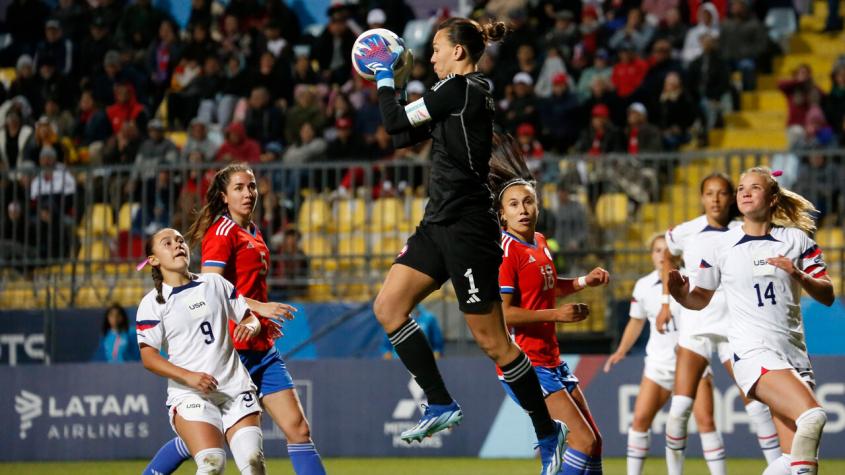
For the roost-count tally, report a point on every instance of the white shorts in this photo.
(751, 364)
(663, 373)
(222, 413)
(706, 344)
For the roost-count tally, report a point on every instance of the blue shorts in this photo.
(267, 370)
(552, 380)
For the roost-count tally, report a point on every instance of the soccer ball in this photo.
(369, 43)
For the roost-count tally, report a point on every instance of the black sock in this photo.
(414, 351)
(525, 385)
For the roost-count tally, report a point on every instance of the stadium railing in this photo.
(334, 228)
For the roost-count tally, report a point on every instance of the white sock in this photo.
(779, 466)
(767, 435)
(805, 444)
(247, 450)
(211, 461)
(638, 443)
(676, 433)
(714, 452)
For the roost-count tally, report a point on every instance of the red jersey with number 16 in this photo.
(245, 260)
(528, 272)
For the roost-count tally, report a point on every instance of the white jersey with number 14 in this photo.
(764, 301)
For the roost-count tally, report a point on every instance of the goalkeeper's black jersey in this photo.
(457, 113)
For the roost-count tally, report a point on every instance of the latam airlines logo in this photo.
(107, 411)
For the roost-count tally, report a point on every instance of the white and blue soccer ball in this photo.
(378, 43)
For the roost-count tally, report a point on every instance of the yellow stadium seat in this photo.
(387, 214)
(178, 138)
(126, 214)
(314, 215)
(99, 221)
(8, 75)
(94, 252)
(319, 250)
(351, 215)
(351, 250)
(416, 211)
(386, 250)
(612, 209)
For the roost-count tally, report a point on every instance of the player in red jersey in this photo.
(529, 286)
(233, 246)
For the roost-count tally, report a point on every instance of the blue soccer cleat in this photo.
(436, 417)
(552, 448)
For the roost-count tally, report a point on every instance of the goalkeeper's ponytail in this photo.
(472, 36)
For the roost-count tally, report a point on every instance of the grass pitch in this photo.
(392, 466)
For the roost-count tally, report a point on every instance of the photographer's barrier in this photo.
(357, 407)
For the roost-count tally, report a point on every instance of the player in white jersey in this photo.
(704, 332)
(763, 265)
(659, 372)
(209, 392)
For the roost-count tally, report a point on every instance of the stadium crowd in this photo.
(244, 81)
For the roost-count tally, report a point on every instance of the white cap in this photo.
(524, 78)
(415, 87)
(639, 107)
(376, 16)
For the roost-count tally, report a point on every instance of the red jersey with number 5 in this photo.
(245, 260)
(528, 273)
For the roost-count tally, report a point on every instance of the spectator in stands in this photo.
(57, 47)
(708, 23)
(279, 12)
(570, 222)
(802, 93)
(51, 84)
(629, 71)
(834, 102)
(200, 45)
(52, 231)
(601, 136)
(95, 45)
(522, 32)
(746, 40)
(532, 149)
(275, 75)
(273, 42)
(671, 27)
(661, 63)
(163, 55)
(126, 108)
(303, 72)
(219, 108)
(184, 104)
(292, 264)
(45, 137)
(675, 113)
(523, 108)
(72, 18)
(602, 93)
(559, 115)
(17, 231)
(138, 24)
(564, 34)
(708, 78)
(816, 133)
(54, 183)
(636, 32)
(122, 147)
(263, 121)
(232, 37)
(91, 123)
(200, 140)
(305, 110)
(591, 29)
(333, 49)
(237, 146)
(347, 145)
(26, 83)
(367, 115)
(600, 68)
(640, 135)
(110, 11)
(118, 344)
(155, 150)
(339, 106)
(61, 118)
(14, 137)
(25, 24)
